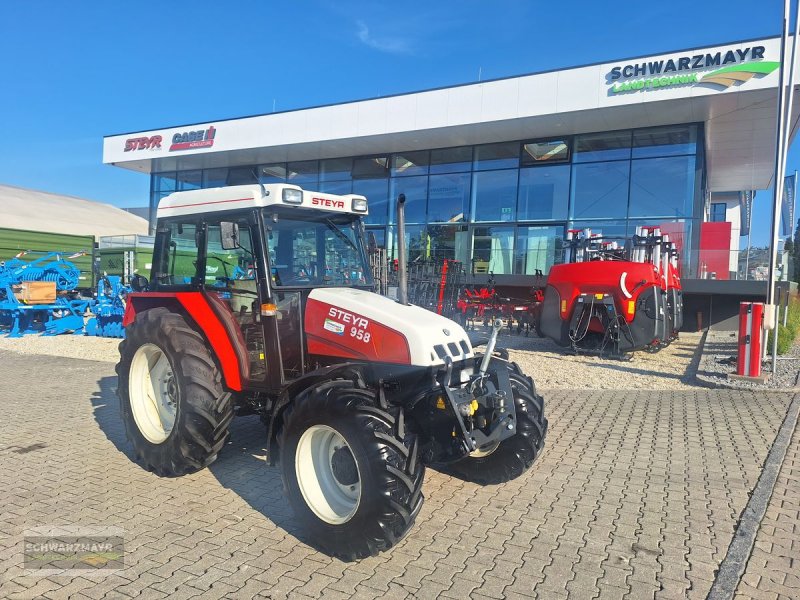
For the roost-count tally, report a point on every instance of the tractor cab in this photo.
(256, 253)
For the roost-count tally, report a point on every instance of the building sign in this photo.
(729, 67)
(746, 211)
(191, 140)
(787, 204)
(143, 143)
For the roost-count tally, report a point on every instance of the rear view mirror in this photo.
(139, 283)
(229, 232)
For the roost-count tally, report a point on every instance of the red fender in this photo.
(198, 306)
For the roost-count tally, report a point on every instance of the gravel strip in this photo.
(718, 360)
(67, 346)
(550, 367)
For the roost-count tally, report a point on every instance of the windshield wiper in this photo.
(332, 226)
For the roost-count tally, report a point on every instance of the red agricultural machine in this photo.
(614, 296)
(483, 305)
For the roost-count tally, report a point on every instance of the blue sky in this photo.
(75, 71)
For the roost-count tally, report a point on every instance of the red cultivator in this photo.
(480, 306)
(614, 295)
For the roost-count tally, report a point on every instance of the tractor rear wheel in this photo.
(350, 469)
(515, 455)
(175, 409)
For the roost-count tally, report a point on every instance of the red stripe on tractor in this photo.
(199, 310)
(206, 203)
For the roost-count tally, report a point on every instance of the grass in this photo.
(787, 334)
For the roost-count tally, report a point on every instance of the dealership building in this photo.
(496, 172)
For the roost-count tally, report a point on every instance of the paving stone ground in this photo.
(636, 496)
(773, 571)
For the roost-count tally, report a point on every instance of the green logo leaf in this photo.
(727, 76)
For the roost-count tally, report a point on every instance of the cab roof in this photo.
(236, 197)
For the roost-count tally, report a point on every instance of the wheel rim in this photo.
(485, 451)
(327, 474)
(153, 393)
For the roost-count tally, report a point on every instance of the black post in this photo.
(402, 272)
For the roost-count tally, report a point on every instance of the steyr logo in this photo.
(190, 140)
(327, 202)
(143, 143)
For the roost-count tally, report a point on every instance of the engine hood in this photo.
(361, 325)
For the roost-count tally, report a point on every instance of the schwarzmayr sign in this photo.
(737, 65)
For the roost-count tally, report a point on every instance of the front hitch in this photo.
(488, 394)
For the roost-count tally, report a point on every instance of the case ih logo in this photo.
(327, 202)
(143, 143)
(189, 140)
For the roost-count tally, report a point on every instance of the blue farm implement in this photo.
(109, 308)
(56, 310)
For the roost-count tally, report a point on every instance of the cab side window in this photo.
(179, 259)
(224, 266)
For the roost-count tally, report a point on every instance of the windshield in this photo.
(315, 250)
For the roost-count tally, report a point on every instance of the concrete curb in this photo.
(741, 546)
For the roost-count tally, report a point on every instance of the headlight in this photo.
(359, 204)
(291, 196)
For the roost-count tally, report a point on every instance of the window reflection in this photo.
(497, 156)
(543, 193)
(451, 160)
(494, 195)
(448, 198)
(600, 190)
(449, 242)
(410, 163)
(416, 191)
(665, 141)
(492, 250)
(537, 249)
(376, 192)
(550, 151)
(615, 145)
(662, 187)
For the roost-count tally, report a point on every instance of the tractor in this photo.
(260, 302)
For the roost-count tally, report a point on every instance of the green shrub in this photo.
(786, 337)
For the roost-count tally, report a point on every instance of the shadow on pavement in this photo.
(240, 466)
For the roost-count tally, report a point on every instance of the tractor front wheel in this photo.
(175, 410)
(350, 470)
(513, 456)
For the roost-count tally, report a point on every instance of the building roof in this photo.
(730, 88)
(22, 208)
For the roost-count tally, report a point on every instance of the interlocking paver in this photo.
(636, 495)
(771, 571)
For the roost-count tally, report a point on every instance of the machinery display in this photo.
(260, 301)
(614, 295)
(108, 308)
(36, 296)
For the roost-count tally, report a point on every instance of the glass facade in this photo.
(504, 207)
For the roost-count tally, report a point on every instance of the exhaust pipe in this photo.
(402, 271)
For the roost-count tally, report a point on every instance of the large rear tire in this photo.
(515, 455)
(350, 470)
(175, 409)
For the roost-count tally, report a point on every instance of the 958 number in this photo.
(360, 334)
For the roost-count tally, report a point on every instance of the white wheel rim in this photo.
(330, 486)
(153, 393)
(485, 451)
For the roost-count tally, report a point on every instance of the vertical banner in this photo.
(746, 211)
(787, 204)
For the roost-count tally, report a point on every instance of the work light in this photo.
(360, 204)
(291, 196)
